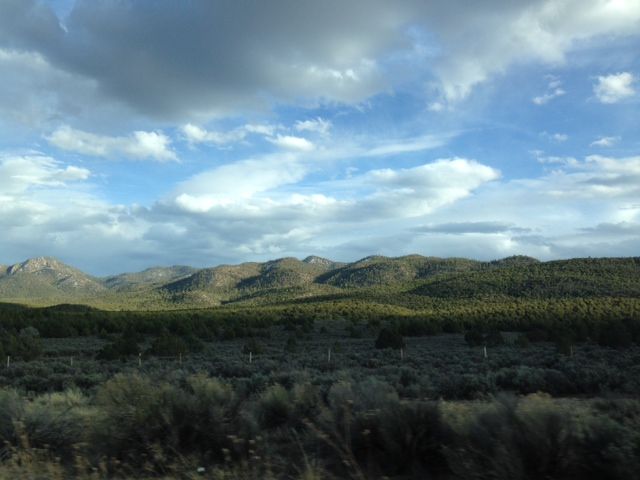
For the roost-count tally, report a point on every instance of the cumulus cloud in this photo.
(131, 57)
(18, 173)
(36, 93)
(139, 145)
(542, 31)
(262, 208)
(114, 66)
(299, 52)
(615, 88)
(580, 209)
(373, 195)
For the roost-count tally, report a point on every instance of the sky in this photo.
(206, 132)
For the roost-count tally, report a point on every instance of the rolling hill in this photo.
(47, 281)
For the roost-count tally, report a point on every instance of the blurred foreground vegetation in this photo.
(201, 427)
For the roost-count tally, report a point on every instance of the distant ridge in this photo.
(47, 278)
(48, 281)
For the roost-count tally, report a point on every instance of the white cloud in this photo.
(556, 137)
(605, 142)
(139, 145)
(436, 107)
(546, 97)
(554, 90)
(234, 183)
(195, 134)
(408, 145)
(345, 52)
(420, 190)
(262, 208)
(256, 186)
(556, 160)
(290, 142)
(18, 173)
(552, 216)
(544, 32)
(317, 125)
(614, 88)
(33, 92)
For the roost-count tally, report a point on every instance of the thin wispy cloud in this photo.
(605, 142)
(554, 90)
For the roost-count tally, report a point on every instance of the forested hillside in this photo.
(413, 281)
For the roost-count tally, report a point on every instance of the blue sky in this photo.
(138, 133)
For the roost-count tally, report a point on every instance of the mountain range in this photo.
(47, 281)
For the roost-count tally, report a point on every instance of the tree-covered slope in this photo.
(587, 277)
(379, 270)
(150, 277)
(383, 280)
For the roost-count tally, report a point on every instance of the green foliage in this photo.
(11, 410)
(476, 338)
(389, 338)
(522, 341)
(56, 421)
(26, 345)
(515, 439)
(275, 407)
(615, 334)
(253, 346)
(125, 346)
(139, 426)
(291, 344)
(168, 344)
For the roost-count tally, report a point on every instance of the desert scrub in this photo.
(11, 410)
(58, 422)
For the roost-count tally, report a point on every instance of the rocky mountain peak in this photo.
(37, 264)
(315, 260)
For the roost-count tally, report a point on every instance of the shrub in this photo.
(522, 341)
(124, 346)
(474, 338)
(607, 450)
(615, 335)
(136, 416)
(494, 339)
(275, 407)
(291, 345)
(57, 421)
(252, 346)
(510, 438)
(408, 439)
(11, 411)
(205, 416)
(389, 338)
(170, 345)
